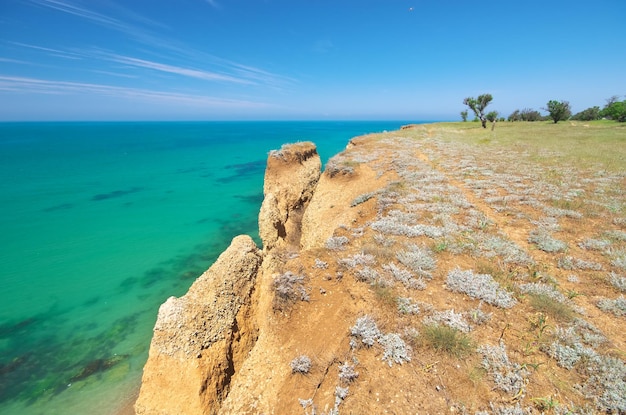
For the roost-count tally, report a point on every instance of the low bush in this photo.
(406, 306)
(544, 241)
(336, 243)
(618, 281)
(542, 289)
(289, 288)
(395, 349)
(507, 376)
(418, 259)
(617, 306)
(479, 286)
(301, 364)
(571, 263)
(365, 330)
(450, 319)
(404, 276)
(357, 259)
(347, 373)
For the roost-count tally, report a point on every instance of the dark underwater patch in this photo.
(116, 194)
(63, 206)
(250, 169)
(9, 329)
(255, 199)
(96, 366)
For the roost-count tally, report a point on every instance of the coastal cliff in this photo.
(392, 282)
(201, 339)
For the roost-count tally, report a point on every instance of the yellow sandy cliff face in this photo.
(202, 338)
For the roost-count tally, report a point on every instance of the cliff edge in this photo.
(425, 270)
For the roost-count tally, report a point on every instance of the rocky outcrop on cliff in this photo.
(290, 179)
(202, 338)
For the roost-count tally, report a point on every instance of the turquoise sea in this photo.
(102, 222)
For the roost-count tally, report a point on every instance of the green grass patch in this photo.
(448, 340)
(589, 144)
(558, 311)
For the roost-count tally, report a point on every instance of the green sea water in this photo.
(99, 224)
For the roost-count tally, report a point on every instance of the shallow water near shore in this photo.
(101, 223)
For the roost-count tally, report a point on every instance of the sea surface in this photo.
(100, 223)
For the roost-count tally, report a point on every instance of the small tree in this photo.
(478, 105)
(558, 110)
(515, 116)
(616, 110)
(589, 114)
(492, 116)
(529, 114)
(464, 115)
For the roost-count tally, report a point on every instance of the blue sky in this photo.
(303, 59)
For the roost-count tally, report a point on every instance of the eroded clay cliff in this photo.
(291, 176)
(202, 338)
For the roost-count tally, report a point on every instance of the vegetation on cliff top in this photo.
(504, 248)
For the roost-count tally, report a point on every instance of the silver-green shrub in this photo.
(479, 286)
(418, 259)
(618, 281)
(395, 349)
(617, 306)
(450, 319)
(336, 243)
(365, 330)
(508, 377)
(301, 364)
(546, 242)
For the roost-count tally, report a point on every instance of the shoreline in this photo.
(127, 406)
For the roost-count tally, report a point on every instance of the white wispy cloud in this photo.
(105, 20)
(67, 7)
(199, 65)
(10, 60)
(188, 72)
(50, 51)
(44, 86)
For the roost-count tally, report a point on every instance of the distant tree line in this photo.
(557, 111)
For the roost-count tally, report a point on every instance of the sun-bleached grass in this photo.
(546, 304)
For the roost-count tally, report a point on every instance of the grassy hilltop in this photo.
(586, 143)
